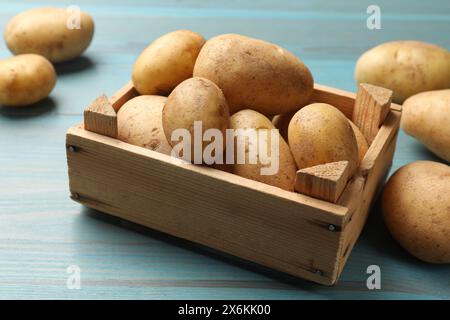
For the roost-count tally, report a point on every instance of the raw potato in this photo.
(406, 67)
(416, 210)
(284, 178)
(45, 31)
(25, 79)
(195, 99)
(360, 141)
(426, 116)
(255, 74)
(166, 62)
(139, 122)
(281, 122)
(318, 134)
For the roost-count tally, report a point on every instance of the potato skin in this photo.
(255, 74)
(416, 209)
(139, 122)
(285, 177)
(195, 99)
(361, 141)
(406, 67)
(166, 62)
(426, 116)
(319, 133)
(25, 79)
(44, 31)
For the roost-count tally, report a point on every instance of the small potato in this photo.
(284, 176)
(139, 122)
(406, 67)
(281, 122)
(426, 116)
(25, 79)
(195, 100)
(166, 62)
(255, 74)
(50, 32)
(319, 133)
(416, 210)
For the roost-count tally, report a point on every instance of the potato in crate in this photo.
(303, 221)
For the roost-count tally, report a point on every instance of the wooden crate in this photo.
(286, 231)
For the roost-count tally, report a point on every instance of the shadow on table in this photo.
(281, 281)
(378, 238)
(40, 108)
(423, 153)
(72, 66)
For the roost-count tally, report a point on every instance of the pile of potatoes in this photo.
(415, 202)
(235, 82)
(38, 38)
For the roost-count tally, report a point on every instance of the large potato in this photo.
(46, 31)
(139, 122)
(283, 175)
(166, 62)
(25, 79)
(406, 67)
(416, 210)
(196, 101)
(255, 74)
(318, 134)
(426, 116)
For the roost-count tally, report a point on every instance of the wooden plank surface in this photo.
(42, 231)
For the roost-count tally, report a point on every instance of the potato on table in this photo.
(416, 209)
(406, 67)
(46, 31)
(426, 116)
(25, 79)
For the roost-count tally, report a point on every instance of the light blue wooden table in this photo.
(42, 232)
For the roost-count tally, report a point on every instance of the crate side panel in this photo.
(258, 227)
(374, 182)
(343, 100)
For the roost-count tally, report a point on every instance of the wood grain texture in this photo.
(311, 256)
(325, 182)
(42, 232)
(113, 177)
(371, 108)
(100, 117)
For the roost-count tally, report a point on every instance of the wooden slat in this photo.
(101, 118)
(375, 171)
(126, 93)
(384, 136)
(371, 108)
(343, 100)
